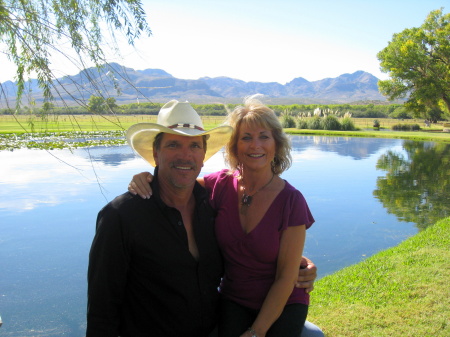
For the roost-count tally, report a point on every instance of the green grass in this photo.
(91, 123)
(69, 123)
(402, 291)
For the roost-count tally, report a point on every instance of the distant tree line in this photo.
(101, 106)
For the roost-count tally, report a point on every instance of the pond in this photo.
(366, 194)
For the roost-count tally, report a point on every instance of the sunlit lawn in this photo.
(402, 291)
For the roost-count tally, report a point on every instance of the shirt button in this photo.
(180, 223)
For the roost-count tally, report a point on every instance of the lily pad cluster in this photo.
(60, 140)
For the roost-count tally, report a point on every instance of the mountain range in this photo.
(155, 85)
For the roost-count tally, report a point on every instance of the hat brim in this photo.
(141, 136)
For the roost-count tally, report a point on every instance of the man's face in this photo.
(180, 159)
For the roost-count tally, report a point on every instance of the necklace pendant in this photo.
(246, 199)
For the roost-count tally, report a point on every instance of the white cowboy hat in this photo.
(179, 119)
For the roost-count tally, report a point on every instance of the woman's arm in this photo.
(289, 258)
(140, 184)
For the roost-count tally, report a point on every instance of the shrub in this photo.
(331, 122)
(287, 120)
(347, 124)
(301, 123)
(315, 123)
(398, 127)
(405, 127)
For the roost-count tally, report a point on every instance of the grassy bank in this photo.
(402, 291)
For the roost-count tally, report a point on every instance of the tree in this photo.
(99, 105)
(32, 31)
(96, 104)
(418, 63)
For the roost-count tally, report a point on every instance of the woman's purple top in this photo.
(251, 259)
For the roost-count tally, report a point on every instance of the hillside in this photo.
(155, 85)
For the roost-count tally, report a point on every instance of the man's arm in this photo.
(306, 275)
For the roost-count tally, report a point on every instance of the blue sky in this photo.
(266, 40)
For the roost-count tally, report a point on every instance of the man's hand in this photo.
(306, 275)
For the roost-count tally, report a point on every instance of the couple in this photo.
(155, 264)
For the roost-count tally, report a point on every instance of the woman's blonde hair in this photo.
(255, 113)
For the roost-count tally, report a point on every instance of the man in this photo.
(154, 265)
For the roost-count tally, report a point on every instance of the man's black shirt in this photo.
(142, 279)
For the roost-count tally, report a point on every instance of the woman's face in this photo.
(255, 147)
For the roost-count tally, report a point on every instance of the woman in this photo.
(260, 227)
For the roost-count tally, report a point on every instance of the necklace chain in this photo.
(247, 199)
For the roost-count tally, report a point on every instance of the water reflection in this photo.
(366, 195)
(357, 148)
(416, 186)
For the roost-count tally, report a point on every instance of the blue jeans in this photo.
(311, 330)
